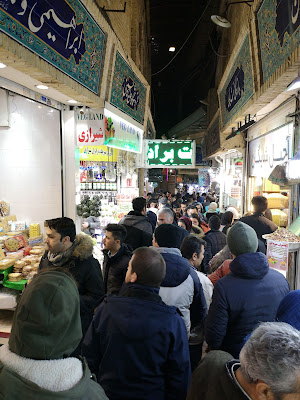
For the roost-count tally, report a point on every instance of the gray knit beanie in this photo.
(241, 238)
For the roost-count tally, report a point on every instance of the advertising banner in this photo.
(98, 153)
(90, 127)
(122, 134)
(61, 32)
(277, 255)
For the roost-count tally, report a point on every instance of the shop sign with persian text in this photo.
(238, 87)
(171, 153)
(98, 153)
(212, 139)
(61, 32)
(128, 93)
(90, 127)
(277, 255)
(122, 134)
(278, 28)
(270, 150)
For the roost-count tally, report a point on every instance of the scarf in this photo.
(59, 259)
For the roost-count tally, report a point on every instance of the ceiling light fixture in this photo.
(42, 87)
(172, 49)
(294, 85)
(2, 65)
(72, 101)
(221, 20)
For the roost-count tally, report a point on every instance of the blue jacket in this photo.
(181, 288)
(137, 346)
(250, 294)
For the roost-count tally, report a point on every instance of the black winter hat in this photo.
(169, 235)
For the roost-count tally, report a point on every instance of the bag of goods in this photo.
(14, 277)
(34, 230)
(19, 265)
(15, 255)
(277, 200)
(37, 251)
(15, 243)
(26, 250)
(26, 271)
(34, 241)
(6, 262)
(279, 217)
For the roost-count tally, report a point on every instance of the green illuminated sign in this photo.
(172, 153)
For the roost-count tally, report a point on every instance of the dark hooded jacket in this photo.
(250, 294)
(137, 346)
(139, 230)
(181, 288)
(215, 241)
(87, 273)
(115, 268)
(36, 363)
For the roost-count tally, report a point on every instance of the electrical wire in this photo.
(216, 53)
(197, 23)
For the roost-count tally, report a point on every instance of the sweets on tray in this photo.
(282, 235)
(14, 277)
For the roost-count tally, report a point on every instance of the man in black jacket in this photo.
(257, 220)
(215, 241)
(75, 253)
(139, 230)
(116, 258)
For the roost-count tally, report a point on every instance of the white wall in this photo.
(30, 161)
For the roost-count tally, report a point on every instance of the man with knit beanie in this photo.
(136, 344)
(250, 294)
(46, 329)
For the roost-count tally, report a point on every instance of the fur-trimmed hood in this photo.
(84, 248)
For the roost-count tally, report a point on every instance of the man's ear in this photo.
(263, 391)
(194, 256)
(66, 239)
(133, 277)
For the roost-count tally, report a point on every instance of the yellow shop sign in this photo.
(98, 153)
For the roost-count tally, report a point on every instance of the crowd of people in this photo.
(178, 276)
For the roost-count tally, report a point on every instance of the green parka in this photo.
(36, 364)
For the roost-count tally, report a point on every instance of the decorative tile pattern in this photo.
(239, 86)
(61, 32)
(279, 34)
(128, 93)
(213, 138)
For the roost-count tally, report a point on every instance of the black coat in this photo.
(215, 241)
(260, 224)
(87, 273)
(139, 230)
(115, 268)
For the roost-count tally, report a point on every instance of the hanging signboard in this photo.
(127, 91)
(90, 127)
(278, 28)
(170, 153)
(277, 255)
(61, 32)
(98, 153)
(121, 131)
(238, 87)
(270, 150)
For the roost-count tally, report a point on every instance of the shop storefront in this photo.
(270, 144)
